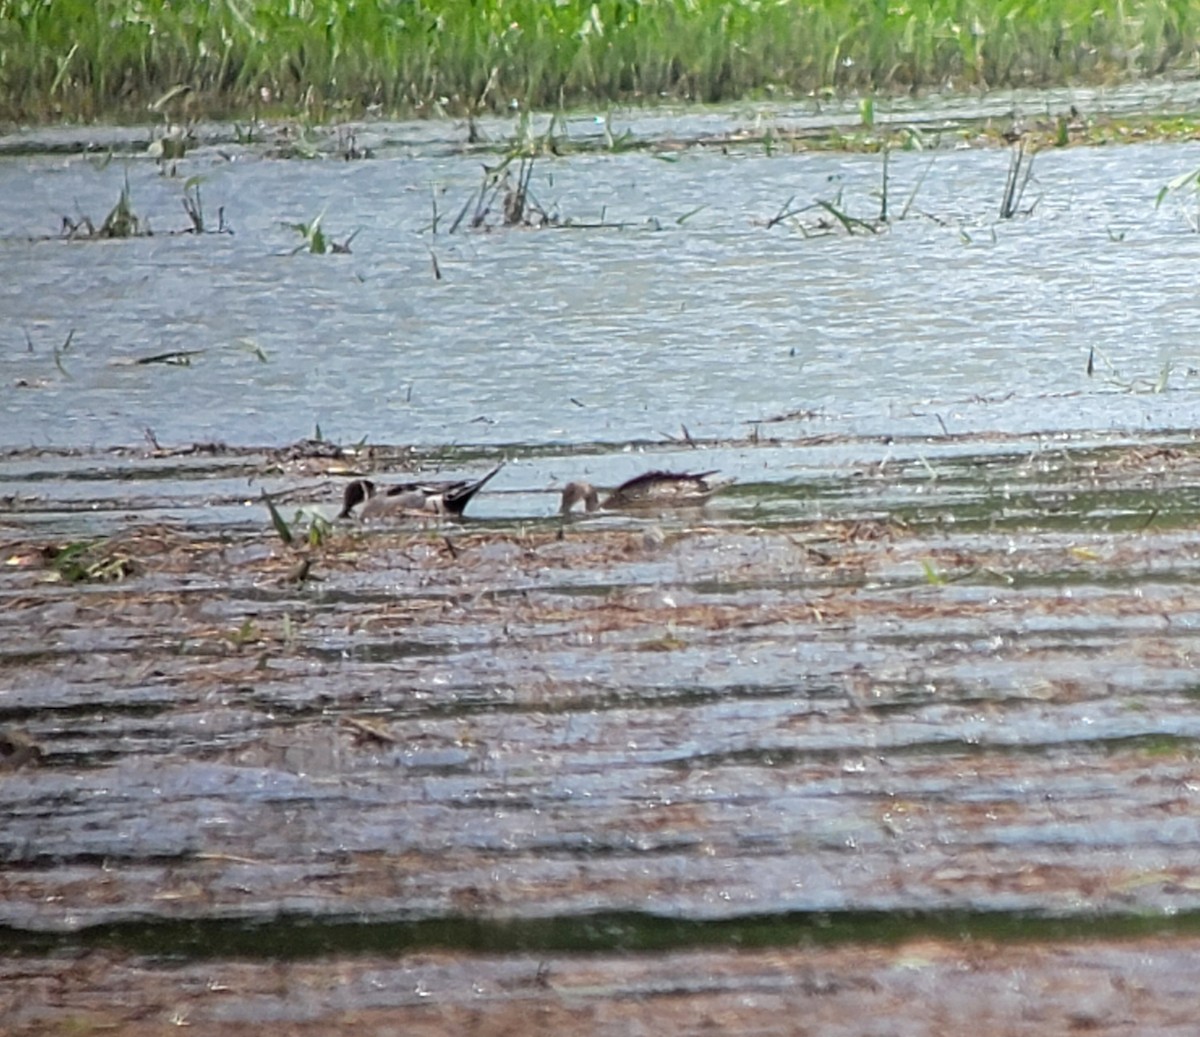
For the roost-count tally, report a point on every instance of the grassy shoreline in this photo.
(95, 59)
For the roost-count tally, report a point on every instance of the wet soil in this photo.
(922, 987)
(878, 749)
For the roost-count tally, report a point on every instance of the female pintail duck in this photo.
(646, 492)
(411, 498)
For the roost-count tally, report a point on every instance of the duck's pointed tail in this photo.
(456, 501)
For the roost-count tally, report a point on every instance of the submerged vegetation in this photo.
(85, 58)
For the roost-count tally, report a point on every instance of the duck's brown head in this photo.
(574, 492)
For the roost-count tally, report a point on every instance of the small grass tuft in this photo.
(193, 205)
(316, 242)
(89, 561)
(123, 222)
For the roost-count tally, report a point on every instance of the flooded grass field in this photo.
(899, 730)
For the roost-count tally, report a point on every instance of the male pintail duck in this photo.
(645, 492)
(411, 498)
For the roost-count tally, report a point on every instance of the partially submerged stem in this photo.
(1019, 172)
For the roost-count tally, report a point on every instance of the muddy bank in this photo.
(920, 987)
(869, 722)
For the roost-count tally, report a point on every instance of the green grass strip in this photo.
(93, 58)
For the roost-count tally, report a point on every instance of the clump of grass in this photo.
(319, 527)
(121, 222)
(84, 58)
(833, 214)
(193, 205)
(1156, 386)
(507, 189)
(316, 241)
(88, 561)
(124, 222)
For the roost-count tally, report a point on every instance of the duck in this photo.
(646, 491)
(411, 498)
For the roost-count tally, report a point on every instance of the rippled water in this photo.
(690, 312)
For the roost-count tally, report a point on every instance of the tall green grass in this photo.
(88, 58)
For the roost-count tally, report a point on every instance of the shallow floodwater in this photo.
(682, 309)
(920, 683)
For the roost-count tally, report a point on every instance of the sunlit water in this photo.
(686, 309)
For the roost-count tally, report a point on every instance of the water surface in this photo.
(683, 309)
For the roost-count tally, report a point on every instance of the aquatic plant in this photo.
(60, 352)
(850, 224)
(194, 207)
(836, 209)
(252, 348)
(1155, 386)
(517, 206)
(1020, 169)
(122, 221)
(171, 358)
(140, 57)
(1185, 190)
(319, 528)
(280, 524)
(315, 240)
(866, 112)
